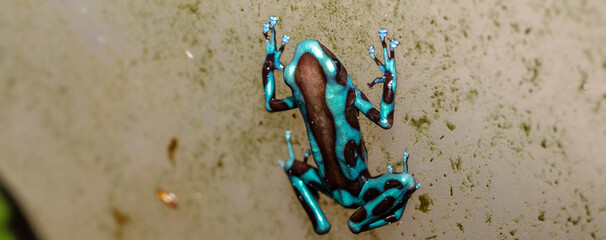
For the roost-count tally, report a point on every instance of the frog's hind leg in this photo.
(306, 183)
(386, 197)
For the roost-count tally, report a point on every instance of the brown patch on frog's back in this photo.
(350, 153)
(310, 78)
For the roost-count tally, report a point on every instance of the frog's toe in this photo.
(393, 44)
(382, 34)
(285, 39)
(273, 20)
(306, 156)
(265, 28)
(287, 135)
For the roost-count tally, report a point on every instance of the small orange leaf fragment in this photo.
(168, 198)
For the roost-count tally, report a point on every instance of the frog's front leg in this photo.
(384, 116)
(386, 197)
(271, 63)
(306, 183)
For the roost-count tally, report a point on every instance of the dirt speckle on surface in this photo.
(172, 149)
(122, 220)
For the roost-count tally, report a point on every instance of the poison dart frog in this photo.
(330, 103)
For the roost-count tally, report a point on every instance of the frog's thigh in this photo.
(309, 175)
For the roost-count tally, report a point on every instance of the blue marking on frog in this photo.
(330, 103)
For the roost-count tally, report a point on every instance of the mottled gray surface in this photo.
(501, 104)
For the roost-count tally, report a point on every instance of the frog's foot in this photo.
(386, 197)
(389, 68)
(306, 182)
(272, 53)
(306, 156)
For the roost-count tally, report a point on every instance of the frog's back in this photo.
(332, 123)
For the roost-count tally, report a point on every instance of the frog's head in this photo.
(312, 60)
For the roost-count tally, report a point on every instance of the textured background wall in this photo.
(502, 105)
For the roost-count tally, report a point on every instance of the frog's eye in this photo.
(337, 64)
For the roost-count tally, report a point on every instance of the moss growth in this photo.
(192, 8)
(526, 127)
(471, 95)
(533, 70)
(425, 203)
(420, 123)
(541, 216)
(428, 45)
(574, 221)
(450, 126)
(439, 97)
(456, 164)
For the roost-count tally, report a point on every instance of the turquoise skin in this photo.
(330, 104)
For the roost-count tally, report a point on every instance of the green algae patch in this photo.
(420, 123)
(450, 126)
(526, 127)
(455, 164)
(471, 95)
(426, 202)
